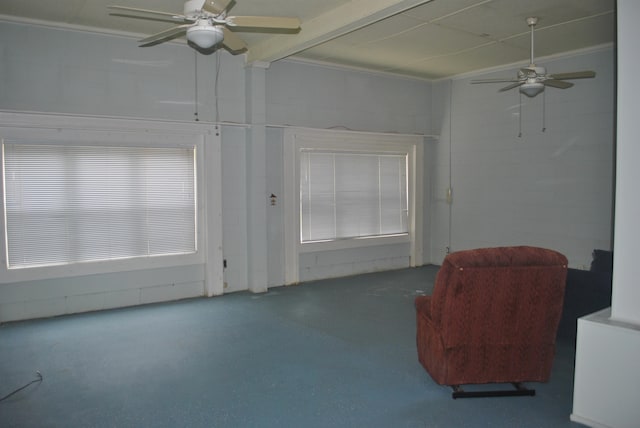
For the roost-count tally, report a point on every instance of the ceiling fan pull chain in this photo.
(520, 115)
(544, 111)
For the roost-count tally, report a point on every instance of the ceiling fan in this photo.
(533, 79)
(207, 24)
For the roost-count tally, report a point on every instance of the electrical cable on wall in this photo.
(544, 111)
(215, 85)
(215, 91)
(449, 190)
(38, 380)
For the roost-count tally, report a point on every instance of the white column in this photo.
(607, 372)
(257, 197)
(625, 303)
(214, 280)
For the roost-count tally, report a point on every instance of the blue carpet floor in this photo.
(332, 353)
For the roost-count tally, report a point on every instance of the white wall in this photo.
(313, 96)
(561, 200)
(57, 71)
(551, 189)
(55, 290)
(297, 94)
(71, 72)
(61, 71)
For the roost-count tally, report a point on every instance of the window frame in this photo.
(298, 139)
(63, 130)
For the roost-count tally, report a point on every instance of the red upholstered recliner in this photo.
(492, 318)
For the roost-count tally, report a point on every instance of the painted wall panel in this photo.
(275, 213)
(329, 264)
(234, 203)
(62, 71)
(322, 97)
(58, 296)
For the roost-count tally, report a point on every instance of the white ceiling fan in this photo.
(207, 24)
(533, 79)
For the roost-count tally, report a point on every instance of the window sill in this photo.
(97, 268)
(341, 244)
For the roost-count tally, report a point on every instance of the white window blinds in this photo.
(71, 204)
(350, 195)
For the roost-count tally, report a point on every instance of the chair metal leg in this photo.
(519, 391)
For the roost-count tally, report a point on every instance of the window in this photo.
(72, 204)
(346, 191)
(352, 195)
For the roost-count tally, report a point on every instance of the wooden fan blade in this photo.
(495, 80)
(149, 14)
(557, 83)
(515, 85)
(232, 42)
(216, 7)
(163, 35)
(284, 23)
(574, 75)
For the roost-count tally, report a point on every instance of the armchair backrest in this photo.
(504, 295)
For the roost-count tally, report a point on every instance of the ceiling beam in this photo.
(344, 19)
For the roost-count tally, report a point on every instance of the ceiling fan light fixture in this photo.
(205, 36)
(531, 89)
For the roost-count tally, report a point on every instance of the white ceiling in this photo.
(419, 38)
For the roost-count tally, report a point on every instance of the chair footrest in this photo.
(519, 391)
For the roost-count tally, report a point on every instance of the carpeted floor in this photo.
(332, 353)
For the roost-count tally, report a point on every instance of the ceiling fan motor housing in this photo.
(193, 7)
(537, 71)
(531, 72)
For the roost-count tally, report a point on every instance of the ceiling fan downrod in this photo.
(531, 22)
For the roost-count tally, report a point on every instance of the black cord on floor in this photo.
(39, 379)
